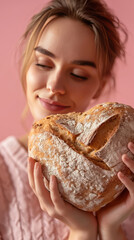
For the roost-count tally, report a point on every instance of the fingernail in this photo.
(37, 165)
(124, 157)
(131, 145)
(120, 174)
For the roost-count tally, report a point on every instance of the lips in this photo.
(51, 105)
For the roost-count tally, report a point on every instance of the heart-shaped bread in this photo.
(83, 150)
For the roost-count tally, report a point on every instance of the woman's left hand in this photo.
(83, 225)
(111, 216)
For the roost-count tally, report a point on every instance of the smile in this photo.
(51, 105)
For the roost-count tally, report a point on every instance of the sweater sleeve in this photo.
(4, 200)
(20, 214)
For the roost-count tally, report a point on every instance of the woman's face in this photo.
(63, 76)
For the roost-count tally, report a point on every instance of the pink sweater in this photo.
(20, 215)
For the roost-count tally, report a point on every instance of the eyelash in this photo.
(72, 74)
(79, 77)
(42, 65)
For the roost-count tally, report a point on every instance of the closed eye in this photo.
(43, 66)
(78, 76)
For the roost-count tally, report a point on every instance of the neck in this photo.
(23, 140)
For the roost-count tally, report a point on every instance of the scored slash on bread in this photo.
(83, 150)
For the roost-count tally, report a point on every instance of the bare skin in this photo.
(111, 217)
(52, 202)
(56, 83)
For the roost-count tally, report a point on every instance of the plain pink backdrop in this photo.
(14, 16)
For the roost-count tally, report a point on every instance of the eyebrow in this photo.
(77, 62)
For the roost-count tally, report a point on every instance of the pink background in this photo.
(14, 16)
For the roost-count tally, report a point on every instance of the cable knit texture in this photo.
(20, 215)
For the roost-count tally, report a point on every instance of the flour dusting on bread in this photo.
(83, 150)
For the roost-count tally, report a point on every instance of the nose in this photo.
(55, 83)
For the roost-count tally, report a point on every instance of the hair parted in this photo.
(95, 14)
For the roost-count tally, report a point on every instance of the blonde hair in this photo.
(95, 14)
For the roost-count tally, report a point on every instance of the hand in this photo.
(83, 225)
(111, 216)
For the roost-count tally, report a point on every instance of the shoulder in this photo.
(12, 166)
(7, 145)
(11, 147)
(12, 154)
(8, 140)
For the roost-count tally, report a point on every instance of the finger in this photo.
(127, 182)
(30, 168)
(131, 147)
(41, 192)
(128, 162)
(55, 196)
(46, 183)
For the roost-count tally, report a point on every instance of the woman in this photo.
(69, 53)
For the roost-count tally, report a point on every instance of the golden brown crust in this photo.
(83, 150)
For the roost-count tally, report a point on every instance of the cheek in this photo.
(84, 93)
(34, 80)
(87, 90)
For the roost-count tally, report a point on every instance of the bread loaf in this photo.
(83, 150)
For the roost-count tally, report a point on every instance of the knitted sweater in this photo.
(20, 215)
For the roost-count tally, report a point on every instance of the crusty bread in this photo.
(83, 150)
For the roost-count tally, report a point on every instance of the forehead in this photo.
(69, 38)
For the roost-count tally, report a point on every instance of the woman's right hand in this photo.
(83, 225)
